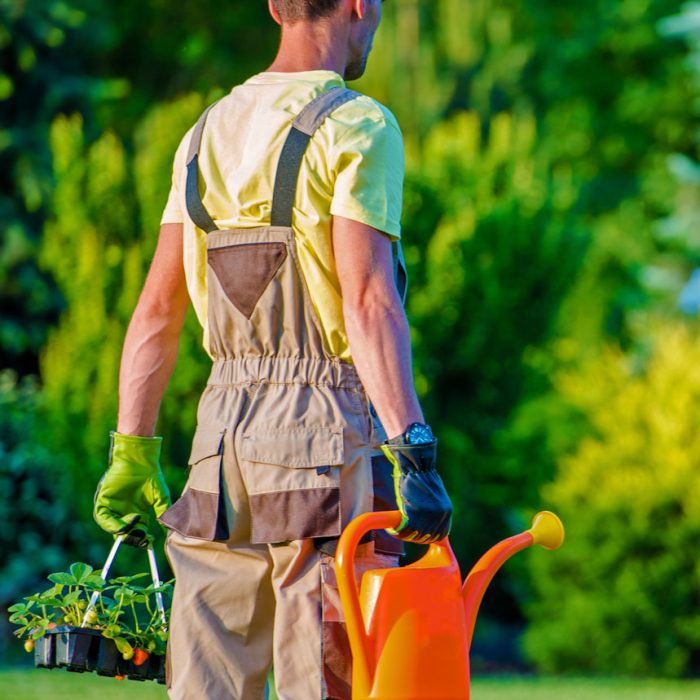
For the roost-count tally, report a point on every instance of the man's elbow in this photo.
(370, 307)
(161, 311)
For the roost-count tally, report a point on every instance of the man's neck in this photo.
(309, 46)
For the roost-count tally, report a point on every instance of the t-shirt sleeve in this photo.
(369, 170)
(174, 212)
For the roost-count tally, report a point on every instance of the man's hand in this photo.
(131, 488)
(420, 493)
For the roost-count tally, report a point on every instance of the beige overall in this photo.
(284, 456)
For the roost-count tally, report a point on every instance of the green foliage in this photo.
(622, 595)
(39, 521)
(39, 77)
(491, 249)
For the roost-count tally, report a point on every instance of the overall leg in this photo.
(312, 659)
(297, 628)
(220, 645)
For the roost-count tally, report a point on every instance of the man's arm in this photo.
(375, 322)
(133, 487)
(152, 340)
(380, 344)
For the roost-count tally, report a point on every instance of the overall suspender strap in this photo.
(193, 200)
(303, 128)
(400, 274)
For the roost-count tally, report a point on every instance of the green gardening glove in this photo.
(131, 488)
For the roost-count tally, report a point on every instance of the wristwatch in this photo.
(415, 434)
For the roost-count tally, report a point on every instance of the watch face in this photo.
(419, 434)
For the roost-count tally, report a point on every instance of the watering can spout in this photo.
(546, 530)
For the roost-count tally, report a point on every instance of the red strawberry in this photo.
(140, 656)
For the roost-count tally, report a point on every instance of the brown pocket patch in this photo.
(295, 515)
(199, 512)
(336, 653)
(292, 476)
(245, 270)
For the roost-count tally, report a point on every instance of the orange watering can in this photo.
(410, 629)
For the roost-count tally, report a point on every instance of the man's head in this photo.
(304, 10)
(356, 21)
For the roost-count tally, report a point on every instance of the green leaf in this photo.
(80, 571)
(94, 582)
(122, 644)
(62, 578)
(124, 580)
(38, 634)
(71, 598)
(17, 607)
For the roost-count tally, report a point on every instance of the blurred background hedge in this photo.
(551, 229)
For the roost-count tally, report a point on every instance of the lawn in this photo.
(37, 684)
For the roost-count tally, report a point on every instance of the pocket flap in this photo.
(207, 442)
(294, 447)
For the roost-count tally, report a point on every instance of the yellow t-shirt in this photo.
(353, 167)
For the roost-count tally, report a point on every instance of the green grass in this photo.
(542, 688)
(38, 684)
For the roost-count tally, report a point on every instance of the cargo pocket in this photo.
(198, 512)
(293, 481)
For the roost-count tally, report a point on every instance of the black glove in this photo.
(420, 493)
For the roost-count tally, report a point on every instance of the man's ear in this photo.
(273, 12)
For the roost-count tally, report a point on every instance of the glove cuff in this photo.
(411, 458)
(135, 449)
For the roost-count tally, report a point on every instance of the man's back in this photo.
(353, 167)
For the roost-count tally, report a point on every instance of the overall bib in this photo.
(285, 454)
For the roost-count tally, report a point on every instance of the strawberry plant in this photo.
(85, 623)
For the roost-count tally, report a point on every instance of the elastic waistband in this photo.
(284, 370)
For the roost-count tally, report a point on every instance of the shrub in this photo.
(39, 526)
(623, 594)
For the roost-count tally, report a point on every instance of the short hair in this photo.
(295, 10)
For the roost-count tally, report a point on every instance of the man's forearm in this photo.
(381, 348)
(153, 337)
(148, 359)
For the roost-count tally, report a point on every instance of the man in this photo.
(282, 227)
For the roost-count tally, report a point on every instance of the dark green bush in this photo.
(40, 527)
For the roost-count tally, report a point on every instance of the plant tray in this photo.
(76, 647)
(79, 650)
(45, 652)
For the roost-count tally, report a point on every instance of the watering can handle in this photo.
(348, 588)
